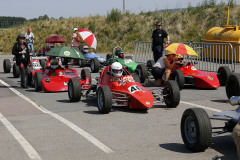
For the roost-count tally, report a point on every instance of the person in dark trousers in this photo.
(21, 52)
(158, 36)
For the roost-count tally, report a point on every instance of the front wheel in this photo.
(95, 65)
(196, 129)
(171, 94)
(233, 85)
(16, 71)
(38, 77)
(86, 73)
(104, 99)
(150, 64)
(6, 66)
(142, 72)
(74, 90)
(178, 76)
(223, 73)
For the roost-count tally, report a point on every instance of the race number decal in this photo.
(127, 60)
(133, 89)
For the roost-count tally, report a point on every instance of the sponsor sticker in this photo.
(193, 68)
(210, 78)
(127, 60)
(67, 53)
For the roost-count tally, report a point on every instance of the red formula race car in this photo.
(124, 91)
(56, 79)
(186, 73)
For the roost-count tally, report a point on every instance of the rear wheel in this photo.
(74, 90)
(178, 76)
(196, 129)
(233, 85)
(86, 73)
(38, 77)
(42, 62)
(6, 66)
(82, 62)
(223, 73)
(104, 99)
(16, 71)
(142, 72)
(171, 94)
(95, 65)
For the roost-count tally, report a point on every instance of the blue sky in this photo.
(83, 8)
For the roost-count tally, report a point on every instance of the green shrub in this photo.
(114, 16)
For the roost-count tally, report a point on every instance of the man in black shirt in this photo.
(158, 39)
(21, 52)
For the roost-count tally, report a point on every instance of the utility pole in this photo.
(124, 7)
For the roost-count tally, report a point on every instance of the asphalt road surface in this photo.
(38, 125)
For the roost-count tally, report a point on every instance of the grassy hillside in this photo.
(118, 29)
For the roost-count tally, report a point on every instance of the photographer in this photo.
(21, 52)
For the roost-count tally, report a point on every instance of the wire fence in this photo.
(210, 55)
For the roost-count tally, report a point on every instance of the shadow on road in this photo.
(175, 147)
(222, 144)
(220, 101)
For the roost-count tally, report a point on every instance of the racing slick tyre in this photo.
(223, 73)
(171, 94)
(104, 99)
(136, 77)
(142, 72)
(6, 66)
(178, 76)
(108, 56)
(86, 73)
(74, 90)
(38, 77)
(42, 62)
(16, 71)
(82, 62)
(95, 65)
(196, 129)
(233, 85)
(150, 64)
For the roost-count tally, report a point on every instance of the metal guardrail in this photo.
(210, 55)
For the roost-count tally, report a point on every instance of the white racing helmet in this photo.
(117, 69)
(54, 63)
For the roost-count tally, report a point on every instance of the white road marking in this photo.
(23, 142)
(77, 129)
(200, 106)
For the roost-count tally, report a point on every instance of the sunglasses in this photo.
(85, 48)
(159, 25)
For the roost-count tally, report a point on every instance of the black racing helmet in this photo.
(119, 53)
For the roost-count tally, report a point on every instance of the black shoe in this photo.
(24, 86)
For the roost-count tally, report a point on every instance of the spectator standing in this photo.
(21, 52)
(158, 36)
(76, 39)
(30, 39)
